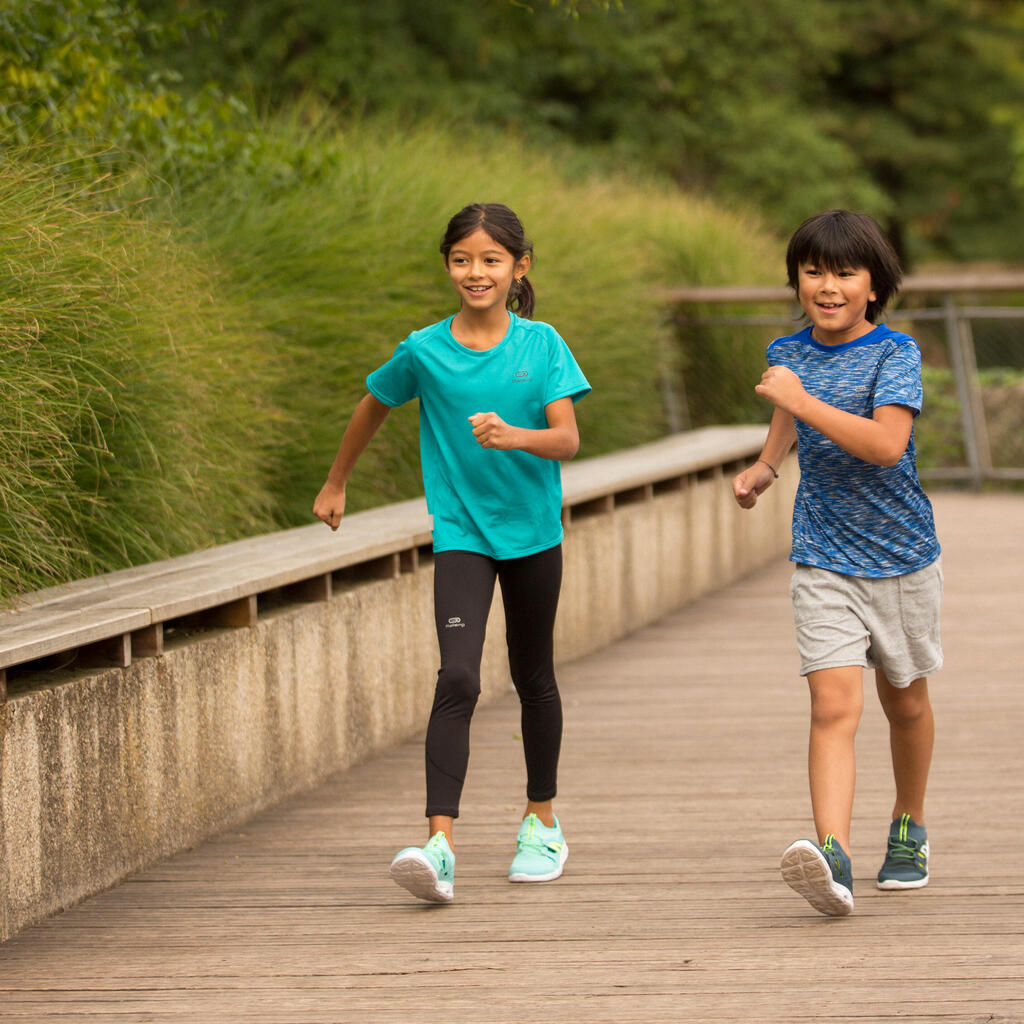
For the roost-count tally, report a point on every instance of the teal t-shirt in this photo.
(501, 504)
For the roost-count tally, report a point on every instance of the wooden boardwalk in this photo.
(683, 779)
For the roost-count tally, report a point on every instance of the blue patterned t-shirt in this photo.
(851, 516)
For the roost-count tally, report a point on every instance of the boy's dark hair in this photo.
(837, 240)
(505, 228)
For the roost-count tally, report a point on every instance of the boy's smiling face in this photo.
(835, 301)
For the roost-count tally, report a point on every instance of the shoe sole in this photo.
(550, 876)
(414, 872)
(805, 871)
(894, 883)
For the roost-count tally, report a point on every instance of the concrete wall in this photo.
(106, 771)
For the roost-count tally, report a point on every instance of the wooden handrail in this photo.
(109, 619)
(923, 284)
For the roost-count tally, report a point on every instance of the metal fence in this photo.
(971, 331)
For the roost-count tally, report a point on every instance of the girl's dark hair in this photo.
(837, 240)
(505, 228)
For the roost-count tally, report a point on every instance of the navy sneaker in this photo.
(821, 874)
(906, 856)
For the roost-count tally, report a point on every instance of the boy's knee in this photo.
(904, 708)
(833, 714)
(830, 708)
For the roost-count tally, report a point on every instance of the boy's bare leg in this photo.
(911, 739)
(837, 699)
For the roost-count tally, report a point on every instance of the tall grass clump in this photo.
(130, 418)
(334, 247)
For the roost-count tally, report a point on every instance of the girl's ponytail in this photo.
(521, 298)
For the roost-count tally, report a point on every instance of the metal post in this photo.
(977, 403)
(963, 388)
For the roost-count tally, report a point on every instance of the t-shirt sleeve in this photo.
(899, 377)
(565, 378)
(395, 383)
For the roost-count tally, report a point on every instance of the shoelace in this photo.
(532, 842)
(903, 850)
(537, 846)
(437, 849)
(902, 847)
(829, 851)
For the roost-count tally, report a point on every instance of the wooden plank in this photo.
(37, 633)
(236, 614)
(309, 591)
(148, 642)
(87, 611)
(111, 652)
(667, 459)
(686, 744)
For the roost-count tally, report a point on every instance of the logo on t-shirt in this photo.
(521, 376)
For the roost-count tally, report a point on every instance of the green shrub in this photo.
(333, 245)
(130, 417)
(178, 372)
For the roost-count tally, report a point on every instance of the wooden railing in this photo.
(109, 620)
(955, 317)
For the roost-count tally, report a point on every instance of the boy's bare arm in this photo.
(366, 420)
(881, 440)
(757, 478)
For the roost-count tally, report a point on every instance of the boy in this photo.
(867, 585)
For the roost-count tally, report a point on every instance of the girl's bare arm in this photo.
(369, 414)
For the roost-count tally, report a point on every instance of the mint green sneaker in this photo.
(541, 852)
(428, 873)
(906, 856)
(821, 874)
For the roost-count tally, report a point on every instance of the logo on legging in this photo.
(455, 623)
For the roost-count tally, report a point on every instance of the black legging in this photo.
(463, 588)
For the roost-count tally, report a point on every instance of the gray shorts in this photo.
(890, 623)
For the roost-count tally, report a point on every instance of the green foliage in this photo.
(341, 261)
(923, 90)
(81, 75)
(130, 423)
(939, 432)
(1002, 391)
(171, 384)
(908, 109)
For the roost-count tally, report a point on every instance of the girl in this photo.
(868, 582)
(496, 392)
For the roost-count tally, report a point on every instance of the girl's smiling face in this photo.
(482, 271)
(835, 302)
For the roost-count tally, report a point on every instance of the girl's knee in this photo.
(458, 686)
(536, 687)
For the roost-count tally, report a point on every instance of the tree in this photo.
(790, 108)
(81, 74)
